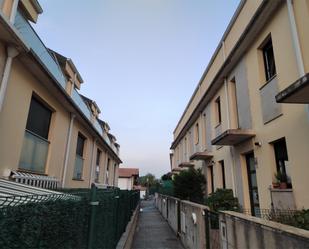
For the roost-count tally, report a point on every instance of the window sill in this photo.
(268, 81)
(76, 179)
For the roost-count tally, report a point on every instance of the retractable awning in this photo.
(233, 137)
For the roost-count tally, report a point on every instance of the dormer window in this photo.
(74, 79)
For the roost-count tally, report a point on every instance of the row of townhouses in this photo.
(241, 126)
(50, 134)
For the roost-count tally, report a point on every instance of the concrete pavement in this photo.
(153, 231)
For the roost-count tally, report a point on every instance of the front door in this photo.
(253, 187)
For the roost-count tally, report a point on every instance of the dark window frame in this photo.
(80, 149)
(223, 173)
(218, 110)
(34, 124)
(269, 59)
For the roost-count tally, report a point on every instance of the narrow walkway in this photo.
(153, 231)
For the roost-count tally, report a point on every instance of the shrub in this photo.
(190, 185)
(222, 199)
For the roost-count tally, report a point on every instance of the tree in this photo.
(148, 180)
(223, 199)
(166, 177)
(190, 185)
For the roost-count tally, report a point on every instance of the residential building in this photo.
(233, 128)
(48, 130)
(128, 178)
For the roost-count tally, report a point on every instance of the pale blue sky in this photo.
(141, 61)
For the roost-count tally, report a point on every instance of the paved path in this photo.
(152, 231)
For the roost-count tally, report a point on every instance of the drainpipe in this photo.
(92, 167)
(67, 151)
(11, 53)
(13, 11)
(228, 122)
(296, 45)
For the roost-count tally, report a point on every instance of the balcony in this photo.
(78, 169)
(232, 137)
(201, 156)
(31, 39)
(34, 153)
(186, 165)
(296, 93)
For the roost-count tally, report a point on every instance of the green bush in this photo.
(222, 199)
(190, 185)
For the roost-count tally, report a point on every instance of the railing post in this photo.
(93, 206)
(207, 229)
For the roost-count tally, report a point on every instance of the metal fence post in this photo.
(93, 206)
(116, 218)
(207, 237)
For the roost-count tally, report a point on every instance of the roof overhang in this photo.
(186, 165)
(296, 93)
(201, 156)
(176, 169)
(233, 137)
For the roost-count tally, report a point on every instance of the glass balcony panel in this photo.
(81, 104)
(34, 153)
(78, 170)
(34, 42)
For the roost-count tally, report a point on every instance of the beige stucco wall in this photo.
(13, 120)
(293, 124)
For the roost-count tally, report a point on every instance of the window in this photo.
(218, 110)
(35, 145)
(79, 160)
(107, 171)
(281, 156)
(97, 171)
(197, 134)
(222, 173)
(38, 119)
(211, 174)
(269, 59)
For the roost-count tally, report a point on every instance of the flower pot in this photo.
(276, 185)
(283, 185)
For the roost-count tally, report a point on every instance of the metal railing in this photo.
(76, 218)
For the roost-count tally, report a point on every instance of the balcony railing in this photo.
(34, 153)
(37, 46)
(78, 169)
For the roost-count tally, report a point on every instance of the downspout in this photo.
(13, 11)
(296, 45)
(228, 122)
(67, 151)
(11, 53)
(92, 162)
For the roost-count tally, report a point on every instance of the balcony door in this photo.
(253, 186)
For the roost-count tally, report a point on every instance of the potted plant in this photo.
(276, 182)
(282, 179)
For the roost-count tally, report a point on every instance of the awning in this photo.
(201, 156)
(233, 137)
(297, 92)
(186, 165)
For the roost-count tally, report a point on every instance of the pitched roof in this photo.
(128, 172)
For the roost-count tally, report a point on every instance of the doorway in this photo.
(253, 186)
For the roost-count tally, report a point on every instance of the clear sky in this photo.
(140, 60)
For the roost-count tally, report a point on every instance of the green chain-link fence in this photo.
(76, 219)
